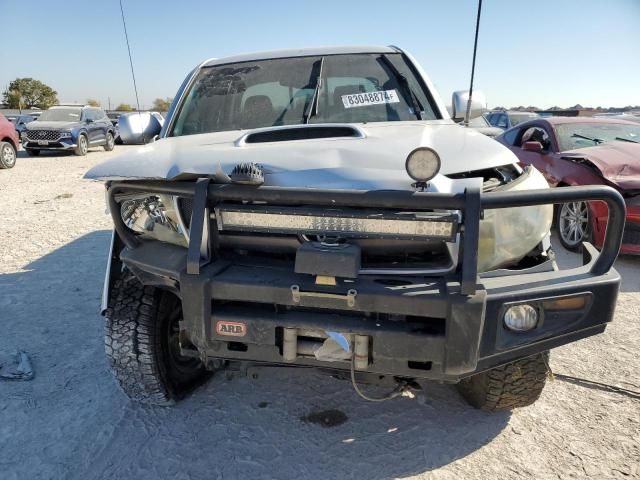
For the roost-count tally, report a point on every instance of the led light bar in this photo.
(343, 223)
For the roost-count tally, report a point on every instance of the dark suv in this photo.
(74, 128)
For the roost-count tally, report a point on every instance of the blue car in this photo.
(20, 122)
(69, 128)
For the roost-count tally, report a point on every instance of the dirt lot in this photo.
(72, 422)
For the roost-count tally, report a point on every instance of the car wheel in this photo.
(118, 140)
(83, 146)
(517, 384)
(7, 155)
(142, 343)
(109, 142)
(32, 153)
(573, 224)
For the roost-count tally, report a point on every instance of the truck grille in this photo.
(382, 252)
(50, 135)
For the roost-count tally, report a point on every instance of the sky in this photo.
(530, 52)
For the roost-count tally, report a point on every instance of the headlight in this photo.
(65, 134)
(508, 234)
(423, 164)
(153, 217)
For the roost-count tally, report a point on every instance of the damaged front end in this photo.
(416, 283)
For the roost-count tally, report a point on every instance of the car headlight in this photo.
(65, 134)
(153, 217)
(508, 234)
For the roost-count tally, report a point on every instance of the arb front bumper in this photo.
(441, 327)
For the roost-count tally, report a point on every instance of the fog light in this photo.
(521, 318)
(422, 164)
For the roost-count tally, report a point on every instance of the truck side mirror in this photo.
(459, 102)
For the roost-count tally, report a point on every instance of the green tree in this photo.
(93, 102)
(161, 105)
(29, 93)
(124, 107)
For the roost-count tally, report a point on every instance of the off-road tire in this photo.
(32, 153)
(82, 149)
(514, 385)
(8, 155)
(109, 142)
(137, 344)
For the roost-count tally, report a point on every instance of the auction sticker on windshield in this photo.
(370, 98)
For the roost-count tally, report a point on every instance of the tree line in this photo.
(30, 93)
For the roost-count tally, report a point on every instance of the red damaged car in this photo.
(8, 143)
(584, 151)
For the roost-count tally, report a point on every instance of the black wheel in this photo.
(573, 224)
(119, 140)
(514, 385)
(142, 344)
(83, 145)
(32, 153)
(7, 155)
(109, 142)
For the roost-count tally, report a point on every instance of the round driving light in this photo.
(423, 164)
(521, 318)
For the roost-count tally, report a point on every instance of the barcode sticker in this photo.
(370, 98)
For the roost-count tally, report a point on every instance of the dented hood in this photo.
(617, 161)
(375, 161)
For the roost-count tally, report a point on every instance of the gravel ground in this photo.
(72, 422)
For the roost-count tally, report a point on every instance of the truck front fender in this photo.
(113, 266)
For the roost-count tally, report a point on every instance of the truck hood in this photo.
(374, 161)
(618, 162)
(38, 125)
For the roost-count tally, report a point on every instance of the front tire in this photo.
(7, 155)
(109, 142)
(83, 146)
(142, 344)
(573, 224)
(515, 385)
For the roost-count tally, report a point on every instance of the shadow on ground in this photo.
(71, 421)
(22, 153)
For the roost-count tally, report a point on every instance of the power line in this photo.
(135, 87)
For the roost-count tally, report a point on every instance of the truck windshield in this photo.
(352, 88)
(61, 115)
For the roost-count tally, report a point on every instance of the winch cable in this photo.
(401, 387)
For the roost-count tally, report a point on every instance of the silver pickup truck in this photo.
(319, 208)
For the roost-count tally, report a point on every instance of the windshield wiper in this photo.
(597, 141)
(412, 98)
(312, 106)
(622, 139)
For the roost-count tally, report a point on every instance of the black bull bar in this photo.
(471, 204)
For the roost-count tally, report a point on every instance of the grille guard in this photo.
(471, 204)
